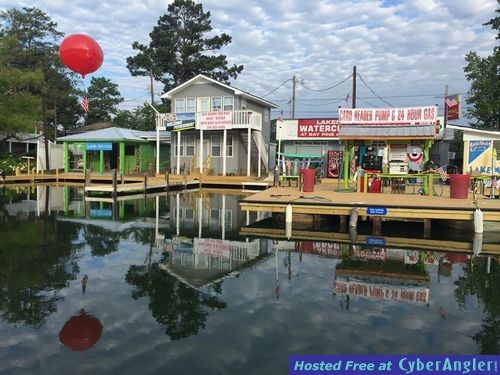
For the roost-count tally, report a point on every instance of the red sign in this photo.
(388, 116)
(318, 128)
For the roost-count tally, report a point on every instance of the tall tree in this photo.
(484, 95)
(103, 98)
(20, 108)
(179, 48)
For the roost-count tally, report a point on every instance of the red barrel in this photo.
(308, 176)
(459, 186)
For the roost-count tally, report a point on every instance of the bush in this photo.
(9, 162)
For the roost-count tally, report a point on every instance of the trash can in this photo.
(375, 188)
(308, 176)
(459, 186)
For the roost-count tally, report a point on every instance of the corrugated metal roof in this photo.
(113, 134)
(399, 131)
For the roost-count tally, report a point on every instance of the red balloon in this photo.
(81, 54)
(81, 332)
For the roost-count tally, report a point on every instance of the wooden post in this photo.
(377, 225)
(353, 221)
(57, 175)
(167, 179)
(431, 181)
(427, 228)
(115, 182)
(145, 185)
(343, 223)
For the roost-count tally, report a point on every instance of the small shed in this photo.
(127, 150)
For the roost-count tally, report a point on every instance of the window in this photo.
(189, 141)
(216, 141)
(190, 105)
(129, 150)
(229, 146)
(215, 215)
(176, 148)
(228, 103)
(228, 219)
(180, 105)
(217, 103)
(203, 104)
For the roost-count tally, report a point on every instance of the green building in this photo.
(129, 151)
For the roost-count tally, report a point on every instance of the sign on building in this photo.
(215, 120)
(388, 116)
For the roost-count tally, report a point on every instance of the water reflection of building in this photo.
(201, 261)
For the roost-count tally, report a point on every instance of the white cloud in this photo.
(400, 48)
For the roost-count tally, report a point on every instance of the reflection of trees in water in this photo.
(180, 309)
(37, 259)
(477, 282)
(101, 241)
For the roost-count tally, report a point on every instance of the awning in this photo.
(387, 132)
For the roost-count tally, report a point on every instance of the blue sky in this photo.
(406, 51)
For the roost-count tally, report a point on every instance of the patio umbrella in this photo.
(81, 332)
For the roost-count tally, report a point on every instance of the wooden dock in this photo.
(328, 200)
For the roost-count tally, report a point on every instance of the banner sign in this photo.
(382, 290)
(318, 128)
(213, 247)
(103, 146)
(405, 364)
(216, 120)
(480, 157)
(181, 121)
(388, 116)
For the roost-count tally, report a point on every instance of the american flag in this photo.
(346, 98)
(84, 103)
(353, 166)
(451, 101)
(442, 173)
(280, 118)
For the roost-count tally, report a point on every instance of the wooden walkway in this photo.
(102, 183)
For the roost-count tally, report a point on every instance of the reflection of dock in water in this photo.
(200, 262)
(370, 240)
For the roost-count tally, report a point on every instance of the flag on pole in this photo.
(442, 173)
(280, 118)
(452, 104)
(346, 98)
(84, 103)
(354, 168)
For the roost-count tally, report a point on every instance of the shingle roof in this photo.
(387, 132)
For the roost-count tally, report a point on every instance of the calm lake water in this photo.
(173, 288)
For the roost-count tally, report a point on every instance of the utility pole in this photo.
(152, 91)
(354, 87)
(445, 107)
(293, 97)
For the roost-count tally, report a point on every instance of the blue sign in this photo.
(408, 364)
(375, 241)
(101, 212)
(477, 148)
(101, 146)
(376, 211)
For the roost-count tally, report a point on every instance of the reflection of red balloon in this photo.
(81, 54)
(81, 332)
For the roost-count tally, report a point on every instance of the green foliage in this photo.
(9, 163)
(103, 98)
(142, 118)
(179, 48)
(484, 95)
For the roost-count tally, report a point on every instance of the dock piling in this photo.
(353, 221)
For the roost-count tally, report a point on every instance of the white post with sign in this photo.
(224, 142)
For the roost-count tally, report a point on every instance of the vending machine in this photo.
(334, 163)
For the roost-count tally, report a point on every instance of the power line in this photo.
(327, 88)
(373, 92)
(276, 88)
